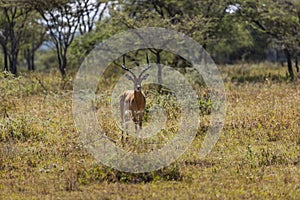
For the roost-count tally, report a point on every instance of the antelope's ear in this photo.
(145, 77)
(129, 77)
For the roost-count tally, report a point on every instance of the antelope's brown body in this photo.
(135, 103)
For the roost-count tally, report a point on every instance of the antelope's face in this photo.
(137, 80)
(138, 86)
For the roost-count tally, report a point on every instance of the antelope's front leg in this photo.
(126, 118)
(134, 118)
(140, 119)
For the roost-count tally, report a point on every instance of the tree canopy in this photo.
(231, 31)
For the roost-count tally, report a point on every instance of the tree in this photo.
(62, 20)
(131, 14)
(13, 20)
(201, 20)
(278, 19)
(3, 41)
(92, 11)
(34, 36)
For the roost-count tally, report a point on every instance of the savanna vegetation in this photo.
(256, 47)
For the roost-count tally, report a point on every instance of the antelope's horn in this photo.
(125, 68)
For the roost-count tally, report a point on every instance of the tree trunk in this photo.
(3, 43)
(32, 60)
(29, 55)
(14, 51)
(159, 73)
(62, 70)
(5, 55)
(63, 66)
(289, 61)
(62, 60)
(296, 64)
(13, 65)
(14, 58)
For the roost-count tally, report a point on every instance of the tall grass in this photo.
(257, 156)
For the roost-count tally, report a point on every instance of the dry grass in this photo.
(257, 156)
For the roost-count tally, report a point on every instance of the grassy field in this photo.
(257, 156)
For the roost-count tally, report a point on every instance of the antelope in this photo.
(133, 102)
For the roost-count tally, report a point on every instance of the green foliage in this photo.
(82, 46)
(230, 31)
(233, 41)
(46, 60)
(278, 19)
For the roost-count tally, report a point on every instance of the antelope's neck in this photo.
(139, 97)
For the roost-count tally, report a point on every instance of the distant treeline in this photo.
(230, 31)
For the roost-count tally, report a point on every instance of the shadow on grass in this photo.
(99, 173)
